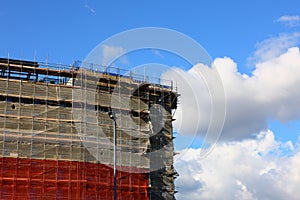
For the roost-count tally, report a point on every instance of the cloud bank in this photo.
(270, 92)
(248, 162)
(249, 169)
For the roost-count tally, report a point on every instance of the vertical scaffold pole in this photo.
(112, 116)
(115, 160)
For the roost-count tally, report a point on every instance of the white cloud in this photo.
(248, 163)
(110, 53)
(273, 47)
(157, 53)
(92, 10)
(189, 119)
(289, 20)
(271, 92)
(248, 169)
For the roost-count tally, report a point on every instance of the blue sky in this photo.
(52, 28)
(244, 31)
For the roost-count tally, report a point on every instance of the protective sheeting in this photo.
(56, 179)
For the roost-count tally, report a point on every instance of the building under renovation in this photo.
(57, 138)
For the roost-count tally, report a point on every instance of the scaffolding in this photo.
(55, 132)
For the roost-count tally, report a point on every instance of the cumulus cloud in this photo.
(193, 114)
(248, 169)
(270, 92)
(289, 20)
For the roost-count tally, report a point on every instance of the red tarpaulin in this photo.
(22, 178)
